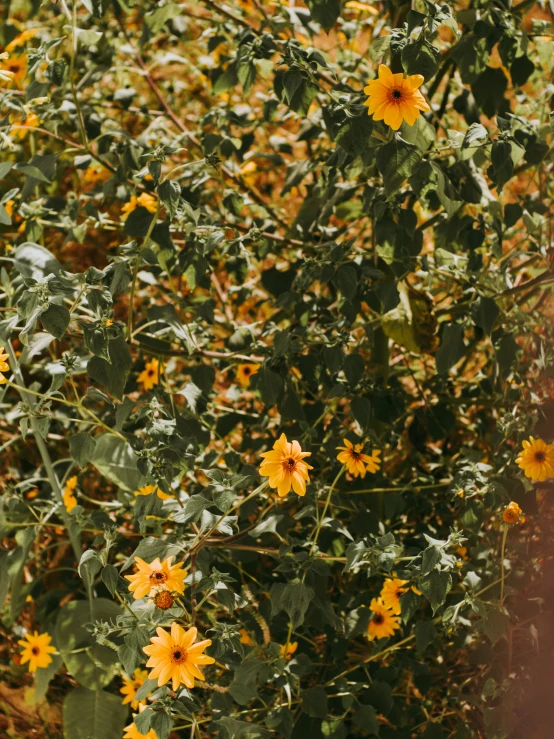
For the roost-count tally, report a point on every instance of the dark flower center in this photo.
(150, 373)
(35, 650)
(291, 462)
(540, 456)
(159, 576)
(378, 619)
(179, 655)
(246, 370)
(396, 94)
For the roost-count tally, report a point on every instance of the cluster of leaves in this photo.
(191, 188)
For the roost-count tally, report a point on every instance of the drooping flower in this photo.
(131, 686)
(391, 591)
(285, 467)
(4, 366)
(131, 731)
(156, 576)
(383, 622)
(536, 459)
(36, 650)
(149, 489)
(355, 461)
(69, 499)
(393, 98)
(150, 375)
(287, 650)
(245, 372)
(174, 656)
(512, 513)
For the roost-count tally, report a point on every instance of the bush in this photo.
(208, 243)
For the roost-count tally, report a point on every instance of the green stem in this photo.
(135, 274)
(502, 553)
(327, 502)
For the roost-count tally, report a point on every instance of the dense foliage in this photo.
(207, 242)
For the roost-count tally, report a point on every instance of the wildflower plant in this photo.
(276, 381)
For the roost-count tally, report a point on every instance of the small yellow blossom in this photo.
(287, 650)
(245, 372)
(156, 576)
(383, 622)
(392, 589)
(512, 513)
(36, 650)
(536, 459)
(4, 366)
(394, 99)
(69, 499)
(285, 467)
(150, 375)
(149, 489)
(357, 463)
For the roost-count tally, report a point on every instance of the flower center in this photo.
(35, 651)
(397, 94)
(540, 456)
(378, 619)
(164, 600)
(246, 370)
(158, 577)
(179, 655)
(150, 373)
(290, 464)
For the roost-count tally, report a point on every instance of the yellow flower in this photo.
(131, 686)
(69, 499)
(245, 638)
(16, 67)
(174, 656)
(364, 7)
(383, 622)
(287, 650)
(21, 39)
(285, 467)
(94, 175)
(245, 372)
(131, 731)
(31, 120)
(512, 513)
(4, 366)
(150, 375)
(9, 206)
(108, 322)
(36, 650)
(391, 591)
(145, 200)
(395, 99)
(356, 462)
(537, 459)
(164, 600)
(156, 576)
(149, 489)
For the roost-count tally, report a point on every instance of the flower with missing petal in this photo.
(536, 459)
(383, 622)
(355, 461)
(245, 372)
(36, 650)
(149, 489)
(174, 656)
(287, 650)
(131, 686)
(512, 513)
(131, 731)
(394, 98)
(391, 591)
(285, 467)
(156, 576)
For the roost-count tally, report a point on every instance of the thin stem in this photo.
(327, 502)
(135, 274)
(502, 552)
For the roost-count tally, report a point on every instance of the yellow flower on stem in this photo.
(285, 467)
(383, 622)
(36, 650)
(16, 68)
(150, 375)
(536, 459)
(149, 489)
(287, 650)
(174, 656)
(145, 200)
(512, 513)
(156, 576)
(131, 731)
(131, 686)
(21, 39)
(69, 499)
(393, 98)
(4, 366)
(355, 461)
(245, 638)
(391, 591)
(245, 372)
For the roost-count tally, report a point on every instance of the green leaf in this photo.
(55, 319)
(485, 313)
(43, 676)
(244, 687)
(354, 367)
(396, 161)
(365, 718)
(435, 586)
(496, 623)
(488, 90)
(314, 702)
(346, 280)
(421, 57)
(162, 724)
(115, 460)
(158, 18)
(88, 713)
(170, 195)
(425, 634)
(81, 447)
(361, 410)
(270, 385)
(295, 600)
(230, 728)
(31, 171)
(110, 578)
(325, 12)
(33, 260)
(293, 89)
(452, 347)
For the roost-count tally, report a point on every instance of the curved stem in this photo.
(327, 503)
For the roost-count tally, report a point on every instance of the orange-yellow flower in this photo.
(69, 499)
(245, 638)
(4, 366)
(150, 375)
(355, 461)
(149, 489)
(393, 98)
(383, 622)
(131, 686)
(145, 200)
(536, 459)
(391, 591)
(512, 513)
(156, 576)
(174, 656)
(36, 650)
(16, 69)
(287, 650)
(131, 731)
(285, 467)
(245, 372)
(21, 39)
